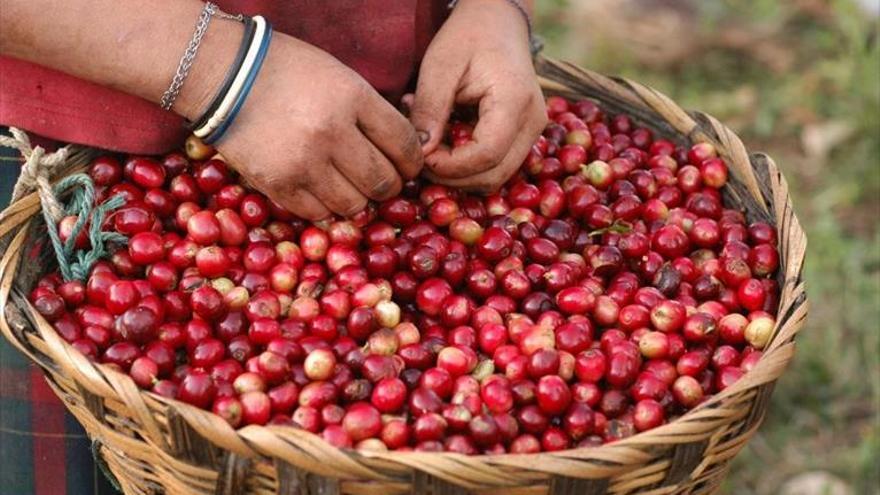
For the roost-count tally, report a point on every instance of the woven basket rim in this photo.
(776, 357)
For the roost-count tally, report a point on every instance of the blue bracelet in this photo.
(246, 40)
(218, 133)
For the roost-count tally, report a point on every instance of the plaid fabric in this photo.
(43, 450)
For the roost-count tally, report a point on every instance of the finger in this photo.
(435, 96)
(500, 121)
(285, 188)
(338, 194)
(391, 133)
(368, 169)
(406, 103)
(490, 180)
(305, 205)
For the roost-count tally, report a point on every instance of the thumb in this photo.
(433, 101)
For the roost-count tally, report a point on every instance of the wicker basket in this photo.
(156, 445)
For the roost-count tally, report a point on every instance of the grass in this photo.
(801, 81)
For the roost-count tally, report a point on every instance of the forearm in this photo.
(131, 46)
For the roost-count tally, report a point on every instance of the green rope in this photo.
(76, 264)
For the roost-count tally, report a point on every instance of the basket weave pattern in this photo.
(156, 445)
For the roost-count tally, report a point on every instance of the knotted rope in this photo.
(38, 168)
(35, 173)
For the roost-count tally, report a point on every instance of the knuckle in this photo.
(292, 198)
(359, 92)
(299, 209)
(352, 208)
(302, 179)
(422, 111)
(294, 180)
(384, 187)
(315, 214)
(358, 88)
(275, 182)
(426, 104)
(487, 155)
(412, 147)
(318, 130)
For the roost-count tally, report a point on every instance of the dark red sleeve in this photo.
(383, 40)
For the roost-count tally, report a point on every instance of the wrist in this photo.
(216, 53)
(238, 83)
(527, 5)
(518, 12)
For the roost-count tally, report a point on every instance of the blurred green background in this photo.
(800, 80)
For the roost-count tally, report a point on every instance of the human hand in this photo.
(316, 138)
(313, 135)
(480, 56)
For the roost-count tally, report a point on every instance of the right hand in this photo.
(316, 138)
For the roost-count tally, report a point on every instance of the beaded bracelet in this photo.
(232, 101)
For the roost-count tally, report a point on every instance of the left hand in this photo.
(480, 57)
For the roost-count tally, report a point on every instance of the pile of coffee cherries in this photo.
(604, 291)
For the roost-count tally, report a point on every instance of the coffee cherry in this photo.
(603, 289)
(197, 388)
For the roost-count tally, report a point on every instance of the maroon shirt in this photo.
(383, 40)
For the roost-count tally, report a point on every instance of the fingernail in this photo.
(424, 136)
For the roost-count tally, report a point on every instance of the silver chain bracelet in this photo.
(189, 56)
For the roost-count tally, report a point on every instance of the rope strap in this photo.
(38, 168)
(35, 173)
